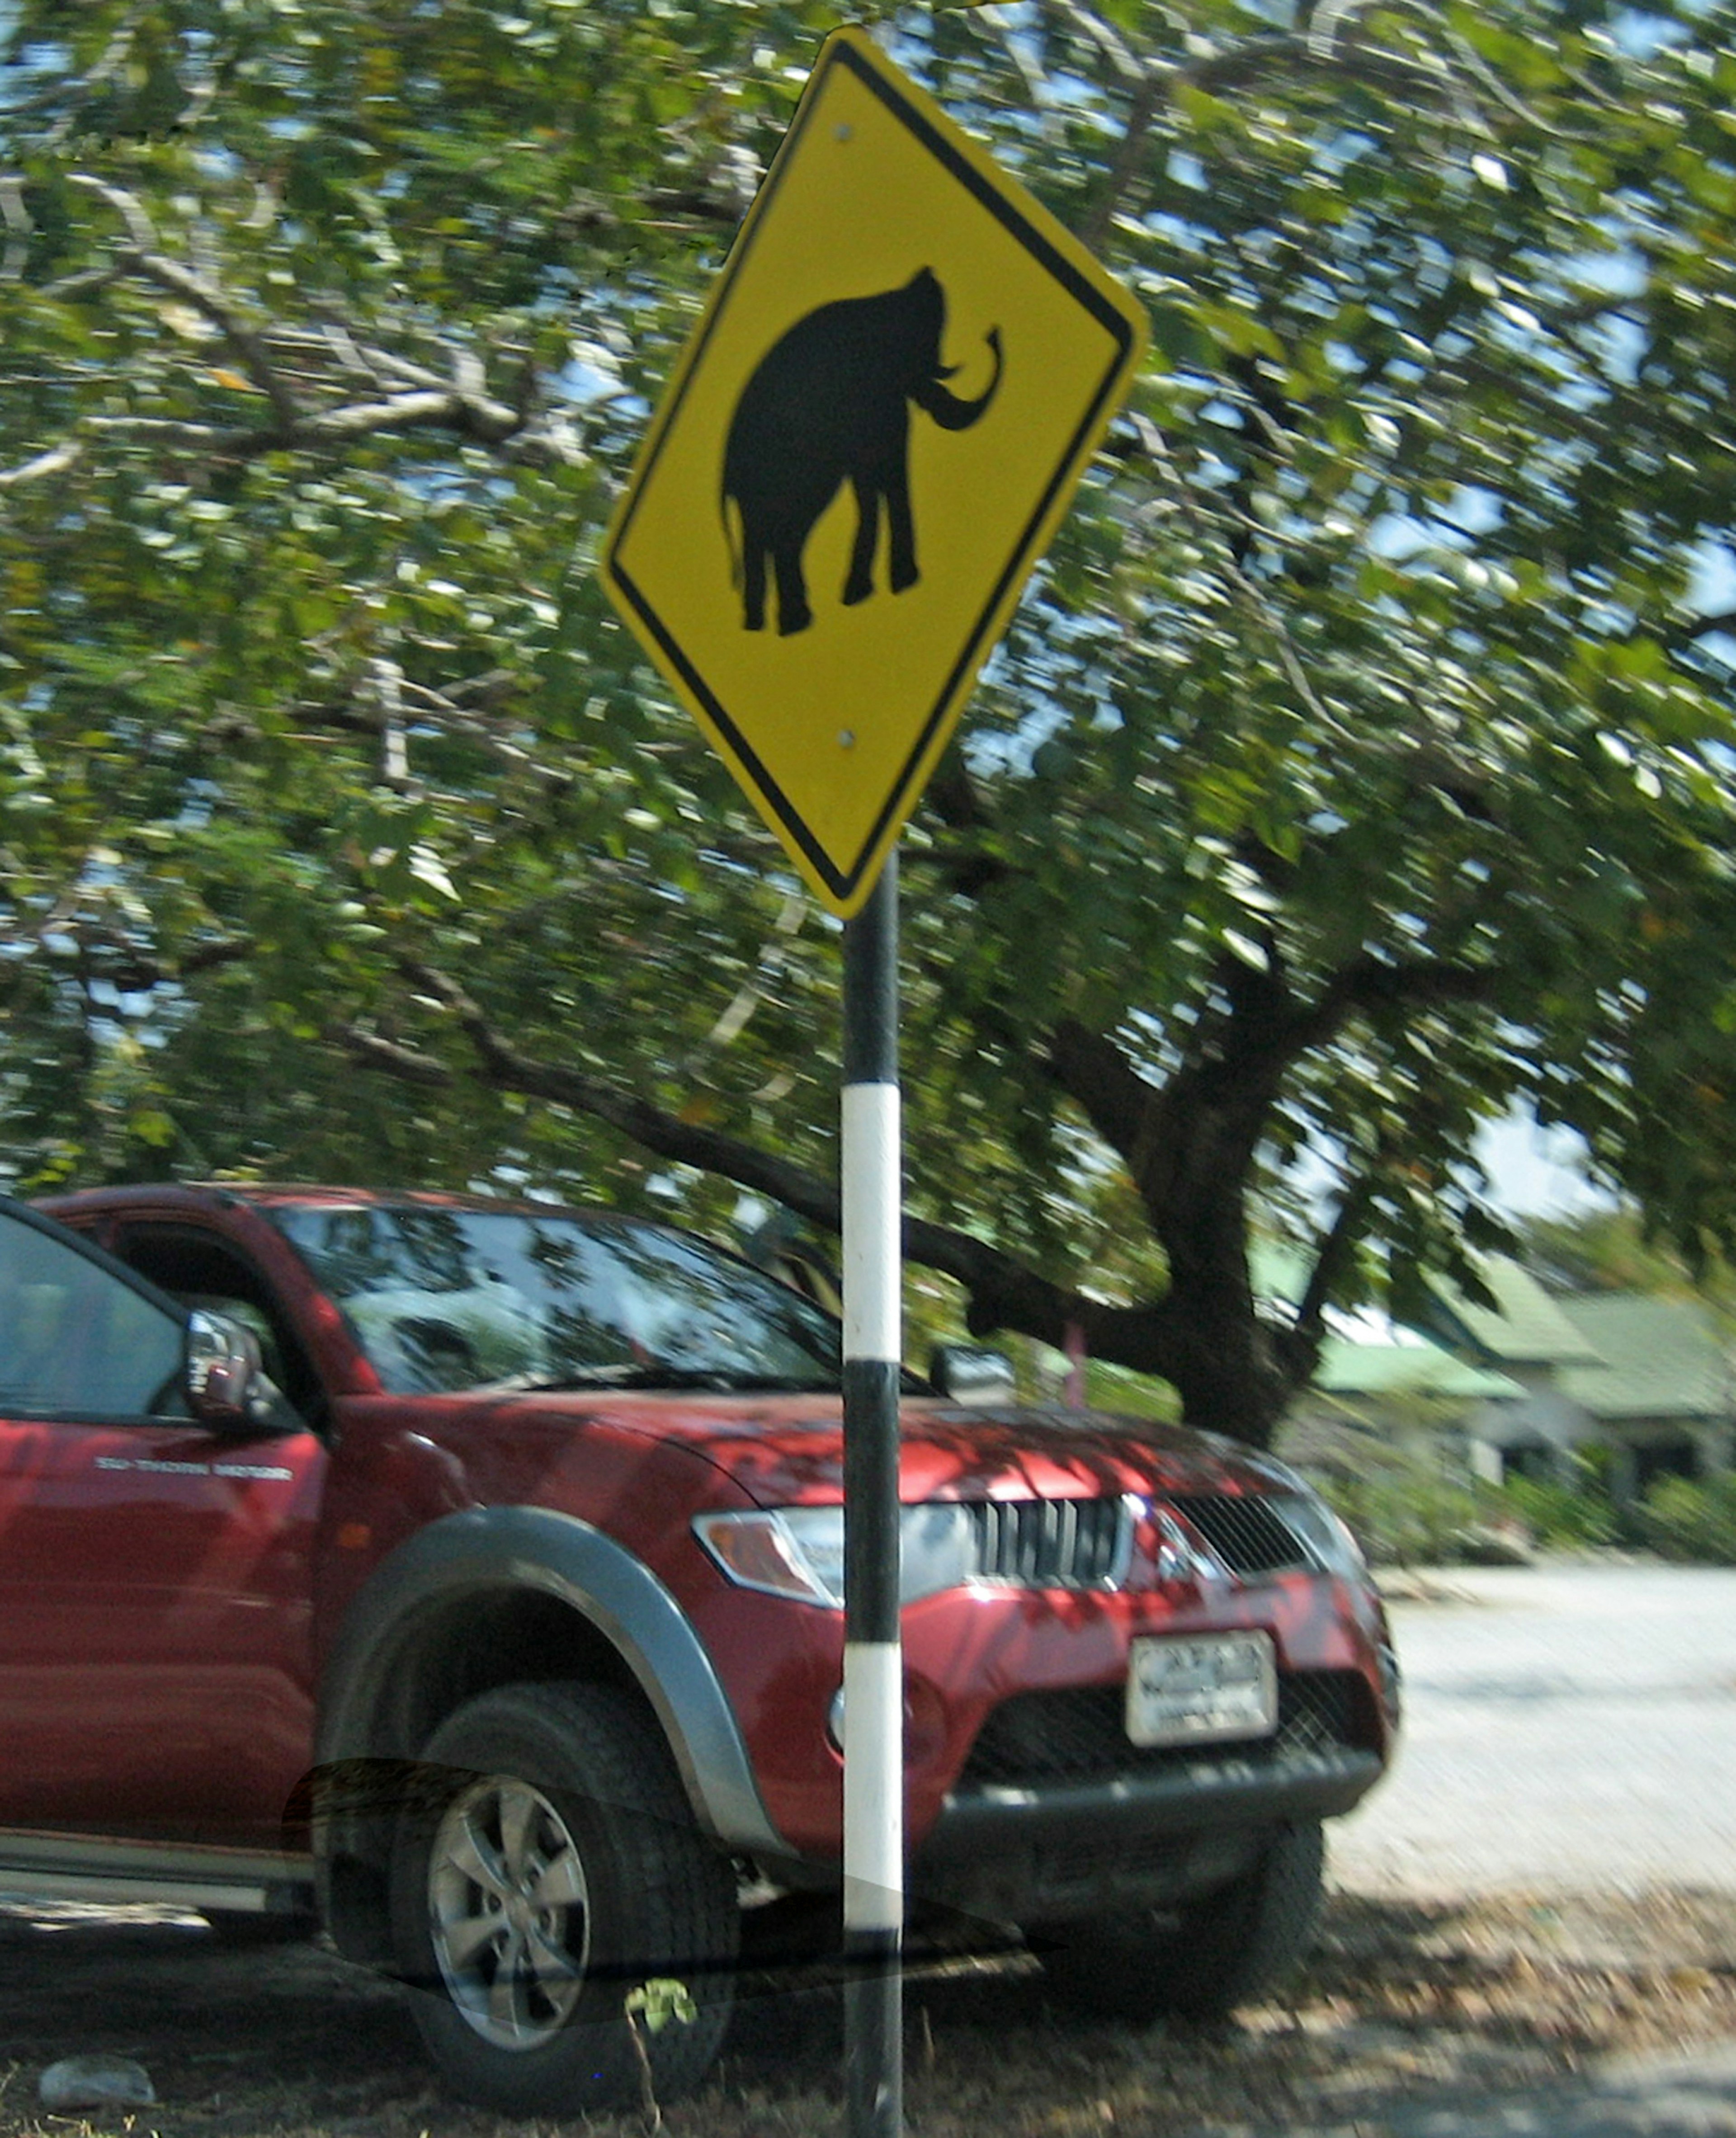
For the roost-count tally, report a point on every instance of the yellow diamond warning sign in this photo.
(904, 368)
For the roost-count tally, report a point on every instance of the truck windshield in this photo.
(464, 1299)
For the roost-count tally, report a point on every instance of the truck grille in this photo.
(1052, 1543)
(1079, 1734)
(1088, 1544)
(1246, 1534)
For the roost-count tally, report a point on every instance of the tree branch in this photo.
(490, 422)
(1097, 1076)
(1002, 1292)
(414, 397)
(1331, 1263)
(1370, 982)
(247, 345)
(403, 1062)
(58, 457)
(140, 228)
(1700, 627)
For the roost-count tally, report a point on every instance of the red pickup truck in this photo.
(465, 1577)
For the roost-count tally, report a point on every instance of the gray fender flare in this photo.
(487, 1549)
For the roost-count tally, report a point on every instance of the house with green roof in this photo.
(1379, 1387)
(1661, 1398)
(1645, 1378)
(1525, 1328)
(1525, 1337)
(1382, 1389)
(1520, 1386)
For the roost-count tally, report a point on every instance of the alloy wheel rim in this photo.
(509, 1912)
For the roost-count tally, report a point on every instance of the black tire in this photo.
(247, 1932)
(548, 1866)
(1204, 1959)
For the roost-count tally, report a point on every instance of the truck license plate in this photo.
(1202, 1689)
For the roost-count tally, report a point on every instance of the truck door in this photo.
(155, 1675)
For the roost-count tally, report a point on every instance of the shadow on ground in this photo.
(1402, 1998)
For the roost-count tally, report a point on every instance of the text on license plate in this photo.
(1202, 1689)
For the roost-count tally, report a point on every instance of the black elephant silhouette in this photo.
(828, 404)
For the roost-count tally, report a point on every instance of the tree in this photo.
(1358, 765)
(1609, 1250)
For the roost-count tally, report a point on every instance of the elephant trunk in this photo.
(946, 408)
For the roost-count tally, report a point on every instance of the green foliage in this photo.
(1403, 1511)
(1406, 1510)
(1567, 1514)
(1695, 1522)
(662, 2002)
(1601, 1251)
(323, 703)
(1357, 767)
(654, 2005)
(1132, 1395)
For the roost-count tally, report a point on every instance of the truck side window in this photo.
(202, 1271)
(77, 1342)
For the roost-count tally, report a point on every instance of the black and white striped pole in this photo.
(873, 1657)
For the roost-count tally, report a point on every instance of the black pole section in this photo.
(874, 1722)
(871, 984)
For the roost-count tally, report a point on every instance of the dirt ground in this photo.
(1403, 1996)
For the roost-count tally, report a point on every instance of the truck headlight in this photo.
(798, 1551)
(1328, 1540)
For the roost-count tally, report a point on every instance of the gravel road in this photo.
(1567, 1728)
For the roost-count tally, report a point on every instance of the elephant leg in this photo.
(793, 614)
(753, 581)
(901, 527)
(860, 584)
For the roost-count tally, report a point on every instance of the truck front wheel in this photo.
(548, 1867)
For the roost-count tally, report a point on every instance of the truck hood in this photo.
(788, 1451)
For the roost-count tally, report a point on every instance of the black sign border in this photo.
(841, 52)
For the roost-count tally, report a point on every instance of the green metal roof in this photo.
(1662, 1358)
(1350, 1368)
(1526, 1327)
(1412, 1364)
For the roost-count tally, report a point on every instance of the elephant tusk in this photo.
(947, 409)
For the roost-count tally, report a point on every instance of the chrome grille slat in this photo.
(1051, 1544)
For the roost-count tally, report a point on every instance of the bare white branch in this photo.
(17, 218)
(140, 226)
(62, 456)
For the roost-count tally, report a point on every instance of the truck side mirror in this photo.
(969, 1373)
(224, 1375)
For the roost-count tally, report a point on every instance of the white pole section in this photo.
(872, 1194)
